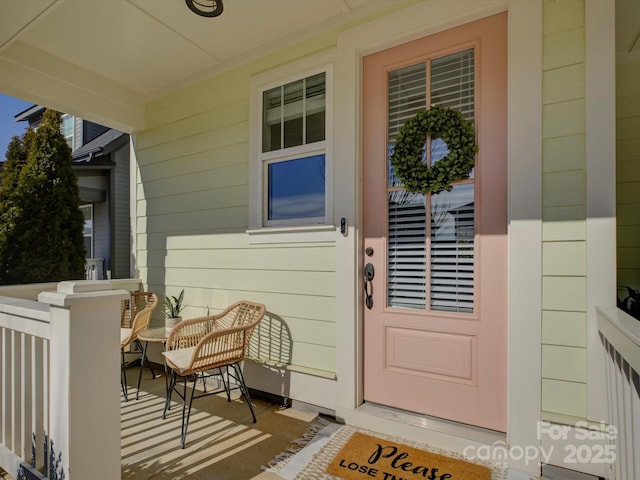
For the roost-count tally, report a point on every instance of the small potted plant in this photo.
(173, 306)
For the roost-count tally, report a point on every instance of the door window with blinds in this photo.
(431, 247)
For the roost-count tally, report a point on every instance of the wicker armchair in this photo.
(136, 314)
(197, 346)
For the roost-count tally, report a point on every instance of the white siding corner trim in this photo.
(601, 188)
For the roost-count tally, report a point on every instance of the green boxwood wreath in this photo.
(438, 122)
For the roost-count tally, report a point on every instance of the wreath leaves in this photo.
(438, 122)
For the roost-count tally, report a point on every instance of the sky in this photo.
(9, 107)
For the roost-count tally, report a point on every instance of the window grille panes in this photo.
(452, 249)
(87, 211)
(67, 128)
(407, 95)
(441, 279)
(453, 82)
(294, 114)
(407, 236)
(296, 188)
(315, 99)
(271, 119)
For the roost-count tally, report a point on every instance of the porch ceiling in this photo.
(110, 57)
(104, 59)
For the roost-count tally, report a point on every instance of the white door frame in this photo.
(524, 161)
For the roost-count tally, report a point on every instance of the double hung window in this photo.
(293, 152)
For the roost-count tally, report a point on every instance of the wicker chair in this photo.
(136, 314)
(217, 343)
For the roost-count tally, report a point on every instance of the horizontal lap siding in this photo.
(628, 173)
(192, 215)
(121, 265)
(564, 285)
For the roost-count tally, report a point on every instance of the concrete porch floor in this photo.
(222, 442)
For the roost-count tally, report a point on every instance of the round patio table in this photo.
(151, 335)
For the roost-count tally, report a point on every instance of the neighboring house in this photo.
(261, 174)
(101, 163)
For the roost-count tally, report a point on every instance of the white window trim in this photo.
(258, 231)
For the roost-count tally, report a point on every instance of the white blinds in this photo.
(450, 230)
(452, 82)
(406, 211)
(407, 235)
(452, 249)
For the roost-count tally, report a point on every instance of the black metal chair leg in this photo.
(166, 384)
(124, 377)
(170, 387)
(144, 357)
(185, 424)
(243, 388)
(224, 382)
(204, 383)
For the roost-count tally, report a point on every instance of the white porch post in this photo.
(84, 385)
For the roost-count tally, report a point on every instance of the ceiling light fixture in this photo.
(205, 8)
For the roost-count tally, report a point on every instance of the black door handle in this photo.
(369, 273)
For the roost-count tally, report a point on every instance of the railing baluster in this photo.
(26, 395)
(3, 387)
(622, 453)
(625, 395)
(40, 396)
(615, 417)
(8, 390)
(635, 422)
(620, 335)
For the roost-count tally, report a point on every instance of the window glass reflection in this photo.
(296, 188)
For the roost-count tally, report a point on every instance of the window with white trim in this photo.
(67, 128)
(293, 150)
(87, 211)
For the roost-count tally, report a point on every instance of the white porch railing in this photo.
(620, 335)
(59, 376)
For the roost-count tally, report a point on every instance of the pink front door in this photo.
(435, 327)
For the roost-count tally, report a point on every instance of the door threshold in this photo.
(477, 434)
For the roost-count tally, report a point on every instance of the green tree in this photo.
(41, 226)
(16, 158)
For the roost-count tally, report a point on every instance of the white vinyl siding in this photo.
(564, 196)
(448, 237)
(192, 217)
(121, 254)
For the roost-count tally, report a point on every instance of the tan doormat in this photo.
(352, 453)
(366, 457)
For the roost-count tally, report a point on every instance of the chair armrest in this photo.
(188, 333)
(215, 349)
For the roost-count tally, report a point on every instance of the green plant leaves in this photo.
(174, 305)
(437, 122)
